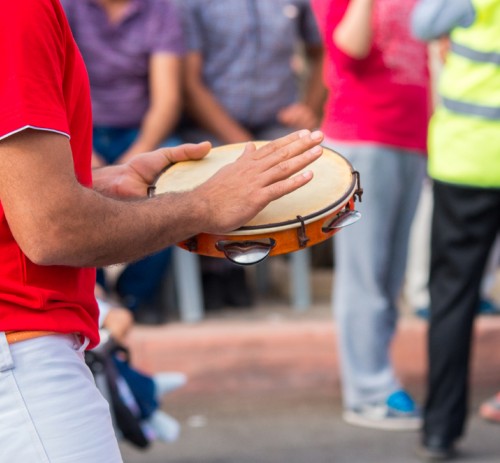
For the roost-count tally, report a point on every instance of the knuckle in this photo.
(283, 166)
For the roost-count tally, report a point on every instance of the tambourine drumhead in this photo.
(332, 186)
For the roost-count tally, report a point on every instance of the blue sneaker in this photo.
(398, 413)
(422, 312)
(488, 307)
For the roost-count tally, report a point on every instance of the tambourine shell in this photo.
(287, 240)
(293, 222)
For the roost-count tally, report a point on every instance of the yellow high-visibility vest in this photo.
(464, 133)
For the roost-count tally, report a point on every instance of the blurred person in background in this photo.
(464, 163)
(241, 84)
(132, 50)
(417, 272)
(376, 116)
(146, 391)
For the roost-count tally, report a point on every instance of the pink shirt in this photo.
(384, 98)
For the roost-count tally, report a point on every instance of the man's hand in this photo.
(241, 189)
(131, 180)
(298, 115)
(443, 47)
(119, 321)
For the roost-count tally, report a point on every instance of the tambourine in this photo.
(303, 218)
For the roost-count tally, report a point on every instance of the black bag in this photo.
(126, 418)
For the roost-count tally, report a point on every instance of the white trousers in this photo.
(50, 409)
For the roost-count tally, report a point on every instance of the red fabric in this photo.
(384, 98)
(44, 84)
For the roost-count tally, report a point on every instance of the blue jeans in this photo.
(370, 262)
(140, 283)
(112, 142)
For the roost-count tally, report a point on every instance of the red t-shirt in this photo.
(384, 98)
(44, 85)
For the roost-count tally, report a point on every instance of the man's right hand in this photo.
(241, 189)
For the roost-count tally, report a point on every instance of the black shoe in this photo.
(436, 448)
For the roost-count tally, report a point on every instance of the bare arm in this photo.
(57, 221)
(204, 107)
(164, 107)
(353, 35)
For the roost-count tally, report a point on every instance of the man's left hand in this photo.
(132, 179)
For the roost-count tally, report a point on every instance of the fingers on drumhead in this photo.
(288, 185)
(275, 145)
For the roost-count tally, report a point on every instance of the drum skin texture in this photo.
(303, 218)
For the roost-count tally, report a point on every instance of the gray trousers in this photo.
(370, 261)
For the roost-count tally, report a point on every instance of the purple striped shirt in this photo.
(117, 55)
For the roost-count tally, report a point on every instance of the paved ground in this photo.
(291, 428)
(264, 388)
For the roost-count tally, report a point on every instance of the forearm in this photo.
(91, 230)
(164, 104)
(156, 125)
(353, 35)
(58, 221)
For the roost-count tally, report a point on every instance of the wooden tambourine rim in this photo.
(295, 222)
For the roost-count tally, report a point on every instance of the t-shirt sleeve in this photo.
(166, 34)
(32, 53)
(432, 19)
(192, 30)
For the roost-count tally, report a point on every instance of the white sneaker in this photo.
(166, 428)
(166, 382)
